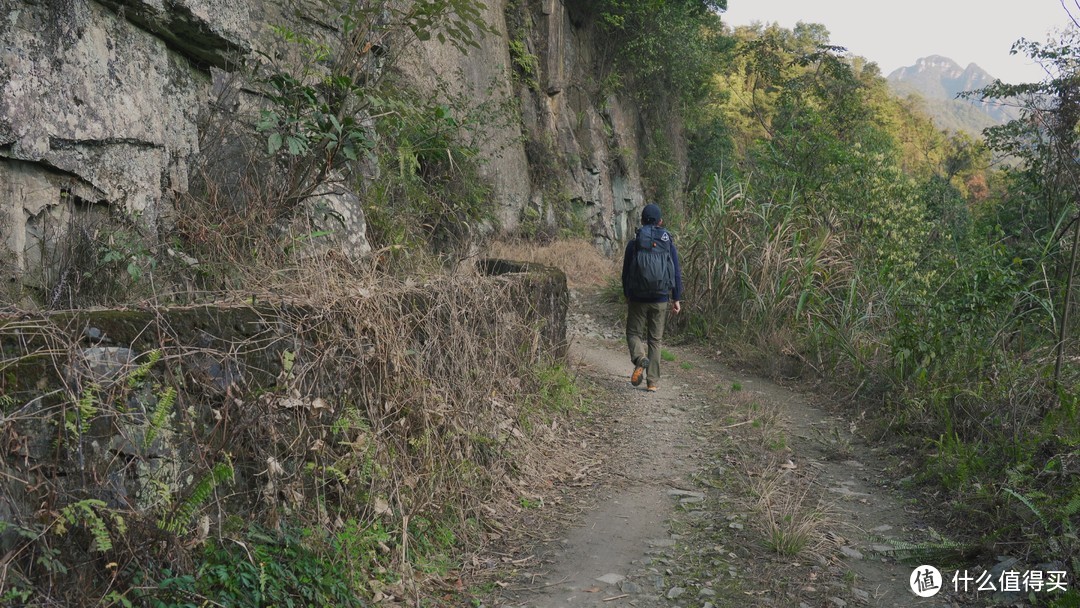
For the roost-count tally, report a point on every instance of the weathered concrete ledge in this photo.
(550, 300)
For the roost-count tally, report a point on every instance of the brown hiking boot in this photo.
(652, 388)
(639, 371)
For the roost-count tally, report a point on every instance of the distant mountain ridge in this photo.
(938, 80)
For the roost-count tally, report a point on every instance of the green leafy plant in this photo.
(78, 421)
(178, 521)
(160, 416)
(261, 568)
(526, 64)
(95, 516)
(128, 250)
(558, 390)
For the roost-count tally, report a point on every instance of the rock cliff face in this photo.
(100, 104)
(596, 136)
(99, 107)
(577, 149)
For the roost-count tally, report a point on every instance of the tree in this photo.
(1046, 184)
(668, 48)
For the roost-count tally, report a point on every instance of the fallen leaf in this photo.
(382, 507)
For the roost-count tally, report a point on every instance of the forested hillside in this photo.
(830, 222)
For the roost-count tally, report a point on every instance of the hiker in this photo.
(651, 277)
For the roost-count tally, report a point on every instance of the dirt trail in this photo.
(667, 526)
(606, 555)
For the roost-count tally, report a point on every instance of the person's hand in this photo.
(676, 307)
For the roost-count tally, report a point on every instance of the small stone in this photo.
(675, 592)
(94, 334)
(661, 542)
(685, 493)
(706, 592)
(862, 595)
(611, 578)
(839, 603)
(629, 587)
(735, 525)
(851, 552)
(843, 490)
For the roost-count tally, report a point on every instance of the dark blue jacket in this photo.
(628, 259)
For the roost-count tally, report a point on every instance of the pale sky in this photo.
(897, 33)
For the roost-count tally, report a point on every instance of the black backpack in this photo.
(652, 270)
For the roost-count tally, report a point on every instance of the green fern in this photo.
(86, 512)
(160, 417)
(1031, 506)
(1073, 506)
(941, 551)
(138, 375)
(182, 516)
(78, 422)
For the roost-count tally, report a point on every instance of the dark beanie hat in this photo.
(650, 214)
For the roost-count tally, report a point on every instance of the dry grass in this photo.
(760, 266)
(583, 263)
(789, 516)
(394, 402)
(788, 512)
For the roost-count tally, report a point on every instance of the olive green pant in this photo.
(645, 325)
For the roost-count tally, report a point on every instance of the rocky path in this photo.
(691, 479)
(609, 557)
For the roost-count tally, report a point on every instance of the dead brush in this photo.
(583, 264)
(760, 420)
(430, 414)
(401, 406)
